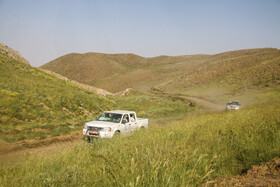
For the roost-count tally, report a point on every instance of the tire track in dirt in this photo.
(206, 103)
(12, 151)
(193, 99)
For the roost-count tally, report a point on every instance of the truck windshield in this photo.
(233, 103)
(110, 117)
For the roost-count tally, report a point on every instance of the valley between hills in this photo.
(191, 140)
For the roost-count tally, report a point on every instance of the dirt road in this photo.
(200, 101)
(51, 143)
(10, 152)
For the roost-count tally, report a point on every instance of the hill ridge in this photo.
(98, 91)
(117, 72)
(4, 49)
(223, 70)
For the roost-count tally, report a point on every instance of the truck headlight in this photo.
(85, 126)
(107, 129)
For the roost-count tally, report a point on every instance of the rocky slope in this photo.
(12, 53)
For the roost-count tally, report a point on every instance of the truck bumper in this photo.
(100, 134)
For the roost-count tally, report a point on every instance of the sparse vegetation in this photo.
(231, 74)
(232, 71)
(116, 72)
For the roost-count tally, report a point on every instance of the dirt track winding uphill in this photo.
(204, 102)
(197, 100)
(11, 152)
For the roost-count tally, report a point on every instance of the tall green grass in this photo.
(34, 104)
(185, 153)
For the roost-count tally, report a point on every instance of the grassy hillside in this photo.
(185, 153)
(36, 105)
(231, 73)
(156, 108)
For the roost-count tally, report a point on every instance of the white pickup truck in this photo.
(110, 123)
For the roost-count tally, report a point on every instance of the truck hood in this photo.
(233, 105)
(100, 124)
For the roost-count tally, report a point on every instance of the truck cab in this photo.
(110, 123)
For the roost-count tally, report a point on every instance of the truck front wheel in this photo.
(86, 138)
(117, 133)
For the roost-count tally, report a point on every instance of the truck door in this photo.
(133, 122)
(125, 123)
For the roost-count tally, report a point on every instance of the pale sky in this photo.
(42, 30)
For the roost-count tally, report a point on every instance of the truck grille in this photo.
(94, 128)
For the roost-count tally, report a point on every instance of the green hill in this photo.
(34, 104)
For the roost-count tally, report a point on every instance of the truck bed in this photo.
(143, 122)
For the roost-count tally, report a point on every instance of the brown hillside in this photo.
(116, 72)
(255, 68)
(84, 86)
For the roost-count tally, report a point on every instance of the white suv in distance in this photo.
(233, 105)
